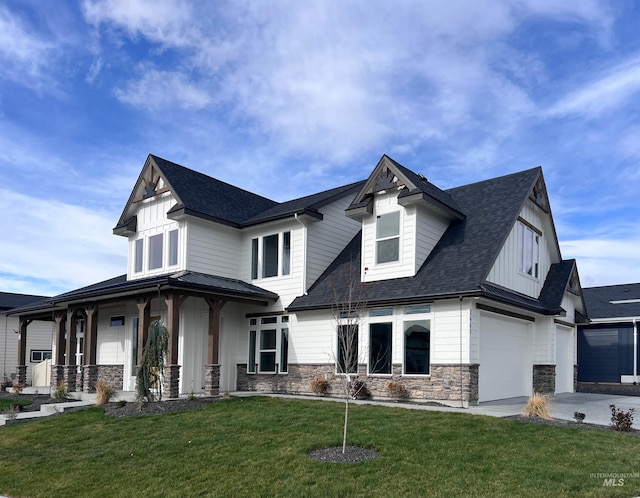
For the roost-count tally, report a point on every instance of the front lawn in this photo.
(258, 447)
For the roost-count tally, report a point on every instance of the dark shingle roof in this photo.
(188, 280)
(310, 203)
(459, 263)
(598, 301)
(213, 198)
(556, 283)
(9, 300)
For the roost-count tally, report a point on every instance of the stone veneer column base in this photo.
(21, 374)
(90, 377)
(57, 376)
(171, 386)
(544, 379)
(70, 373)
(212, 380)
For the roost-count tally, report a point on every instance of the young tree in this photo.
(149, 374)
(348, 310)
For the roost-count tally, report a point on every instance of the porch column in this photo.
(90, 369)
(212, 368)
(172, 370)
(21, 369)
(57, 365)
(144, 320)
(70, 368)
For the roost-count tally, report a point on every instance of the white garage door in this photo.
(564, 359)
(506, 359)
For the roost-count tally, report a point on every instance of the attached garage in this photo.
(506, 357)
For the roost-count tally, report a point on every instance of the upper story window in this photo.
(139, 247)
(155, 251)
(271, 255)
(173, 247)
(528, 250)
(388, 237)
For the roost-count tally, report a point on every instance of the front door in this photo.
(131, 353)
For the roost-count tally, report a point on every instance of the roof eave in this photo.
(431, 202)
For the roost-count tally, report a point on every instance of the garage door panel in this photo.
(506, 359)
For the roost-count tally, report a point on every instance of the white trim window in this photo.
(268, 345)
(38, 355)
(138, 255)
(271, 255)
(173, 247)
(528, 251)
(388, 237)
(417, 340)
(347, 348)
(155, 251)
(380, 341)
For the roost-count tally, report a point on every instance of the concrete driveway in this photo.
(563, 406)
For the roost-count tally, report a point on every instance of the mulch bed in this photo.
(352, 454)
(567, 423)
(122, 409)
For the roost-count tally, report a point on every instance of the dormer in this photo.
(403, 217)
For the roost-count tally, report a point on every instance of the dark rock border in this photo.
(568, 423)
(352, 454)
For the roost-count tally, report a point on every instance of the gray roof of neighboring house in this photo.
(459, 263)
(187, 280)
(599, 301)
(10, 300)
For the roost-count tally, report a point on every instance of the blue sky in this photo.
(288, 98)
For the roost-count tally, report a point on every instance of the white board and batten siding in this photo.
(152, 220)
(327, 238)
(505, 271)
(314, 337)
(213, 249)
(420, 231)
(110, 340)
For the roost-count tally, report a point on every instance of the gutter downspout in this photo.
(304, 254)
(635, 351)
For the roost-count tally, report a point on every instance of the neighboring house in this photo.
(38, 348)
(467, 296)
(608, 347)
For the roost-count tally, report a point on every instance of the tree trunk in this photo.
(346, 423)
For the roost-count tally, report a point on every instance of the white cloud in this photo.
(160, 89)
(59, 243)
(607, 92)
(23, 54)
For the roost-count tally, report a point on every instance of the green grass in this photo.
(258, 447)
(5, 403)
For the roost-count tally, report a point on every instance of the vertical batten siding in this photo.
(288, 287)
(505, 269)
(429, 229)
(474, 333)
(192, 344)
(213, 249)
(110, 340)
(152, 220)
(327, 238)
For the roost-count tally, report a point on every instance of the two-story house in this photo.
(463, 294)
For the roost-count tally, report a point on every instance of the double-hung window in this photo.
(388, 237)
(271, 255)
(268, 345)
(528, 250)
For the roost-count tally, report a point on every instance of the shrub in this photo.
(621, 420)
(319, 385)
(579, 416)
(12, 412)
(60, 392)
(358, 390)
(17, 388)
(396, 390)
(104, 392)
(537, 406)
